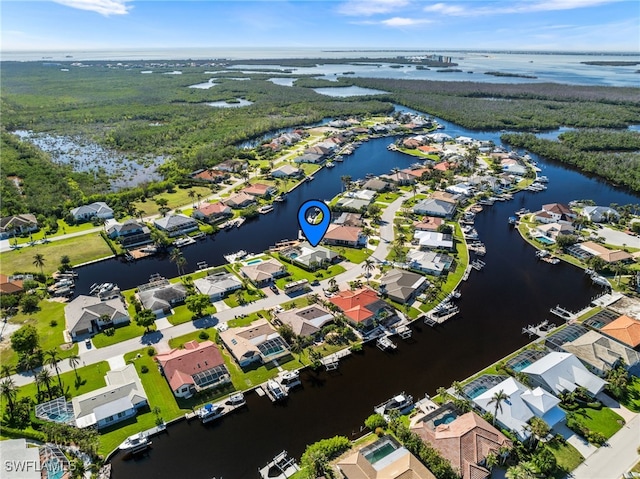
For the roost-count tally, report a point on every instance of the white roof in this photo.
(564, 371)
(15, 452)
(433, 239)
(540, 400)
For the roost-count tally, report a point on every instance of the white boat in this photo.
(402, 403)
(279, 198)
(265, 209)
(182, 242)
(330, 164)
(290, 379)
(209, 412)
(240, 220)
(275, 391)
(136, 443)
(309, 178)
(339, 159)
(233, 257)
(236, 400)
(281, 467)
(385, 343)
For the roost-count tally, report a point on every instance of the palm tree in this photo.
(192, 194)
(497, 399)
(520, 471)
(346, 182)
(539, 428)
(9, 391)
(244, 174)
(74, 360)
(368, 267)
(6, 370)
(491, 461)
(44, 377)
(176, 257)
(39, 261)
(333, 284)
(52, 359)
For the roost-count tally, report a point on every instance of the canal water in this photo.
(512, 291)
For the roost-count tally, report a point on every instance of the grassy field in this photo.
(179, 198)
(181, 314)
(122, 333)
(63, 228)
(79, 249)
(249, 296)
(353, 255)
(50, 336)
(388, 197)
(603, 420)
(632, 399)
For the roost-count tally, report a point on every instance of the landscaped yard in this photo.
(79, 250)
(297, 273)
(567, 457)
(50, 336)
(604, 420)
(122, 333)
(249, 296)
(632, 399)
(63, 228)
(353, 255)
(177, 199)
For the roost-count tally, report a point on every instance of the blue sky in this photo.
(604, 25)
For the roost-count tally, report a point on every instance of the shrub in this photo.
(53, 323)
(203, 335)
(110, 331)
(375, 421)
(379, 431)
(151, 351)
(144, 369)
(357, 348)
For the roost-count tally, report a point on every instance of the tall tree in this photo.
(368, 267)
(39, 261)
(497, 399)
(44, 377)
(74, 361)
(145, 319)
(52, 358)
(9, 391)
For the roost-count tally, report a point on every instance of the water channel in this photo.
(512, 291)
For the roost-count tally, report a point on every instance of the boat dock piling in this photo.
(332, 361)
(563, 313)
(541, 330)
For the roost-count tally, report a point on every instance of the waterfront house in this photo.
(443, 166)
(310, 257)
(176, 225)
(240, 200)
(362, 306)
(210, 176)
(552, 230)
(363, 194)
(264, 272)
(464, 440)
(521, 405)
(257, 342)
(600, 214)
(513, 168)
(625, 329)
(15, 225)
(10, 285)
(401, 178)
(428, 223)
(349, 219)
(119, 400)
(211, 212)
(130, 233)
(601, 354)
(433, 240)
(402, 286)
(384, 459)
(558, 372)
(411, 143)
(306, 321)
(465, 189)
(309, 158)
(197, 367)
(286, 171)
(232, 166)
(559, 212)
(429, 262)
(340, 235)
(590, 248)
(259, 190)
(415, 172)
(87, 315)
(435, 207)
(160, 296)
(218, 285)
(354, 204)
(376, 184)
(99, 209)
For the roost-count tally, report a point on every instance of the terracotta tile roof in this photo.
(258, 189)
(209, 209)
(428, 223)
(443, 166)
(354, 303)
(9, 287)
(181, 364)
(417, 172)
(428, 149)
(343, 233)
(624, 329)
(210, 175)
(558, 208)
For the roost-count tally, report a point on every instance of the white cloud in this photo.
(366, 8)
(513, 7)
(103, 7)
(404, 22)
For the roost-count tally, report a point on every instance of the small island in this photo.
(510, 75)
(617, 63)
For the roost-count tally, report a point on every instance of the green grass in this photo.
(353, 255)
(389, 197)
(631, 400)
(181, 314)
(79, 249)
(63, 228)
(248, 319)
(413, 313)
(297, 273)
(50, 336)
(129, 331)
(567, 456)
(604, 420)
(178, 199)
(249, 295)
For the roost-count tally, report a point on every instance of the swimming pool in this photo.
(254, 261)
(544, 240)
(446, 419)
(475, 392)
(54, 468)
(520, 365)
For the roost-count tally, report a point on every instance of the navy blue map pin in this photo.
(314, 218)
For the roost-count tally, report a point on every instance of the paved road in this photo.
(613, 460)
(95, 355)
(617, 237)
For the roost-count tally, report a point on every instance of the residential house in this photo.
(240, 200)
(429, 149)
(552, 230)
(176, 225)
(119, 400)
(232, 166)
(11, 226)
(429, 262)
(362, 306)
(22, 460)
(363, 194)
(446, 196)
(210, 176)
(443, 166)
(514, 168)
(428, 223)
(559, 212)
(349, 219)
(402, 286)
(310, 257)
(211, 212)
(259, 190)
(264, 272)
(306, 321)
(411, 143)
(340, 235)
(433, 240)
(384, 459)
(286, 171)
(558, 372)
(130, 233)
(415, 172)
(465, 189)
(376, 184)
(465, 442)
(601, 354)
(197, 367)
(400, 178)
(625, 329)
(99, 209)
(86, 315)
(9, 285)
(435, 207)
(309, 158)
(160, 296)
(218, 285)
(521, 405)
(355, 204)
(258, 342)
(606, 254)
(600, 214)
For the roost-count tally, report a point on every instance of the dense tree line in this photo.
(602, 140)
(618, 167)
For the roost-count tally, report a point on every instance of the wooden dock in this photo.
(562, 313)
(541, 330)
(332, 361)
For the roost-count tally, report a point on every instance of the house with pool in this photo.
(258, 342)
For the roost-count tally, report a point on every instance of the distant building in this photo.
(176, 225)
(376, 184)
(197, 367)
(99, 209)
(241, 200)
(258, 342)
(9, 285)
(11, 226)
(232, 166)
(210, 176)
(600, 214)
(286, 171)
(259, 189)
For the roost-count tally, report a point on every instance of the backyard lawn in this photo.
(79, 249)
(604, 420)
(177, 199)
(353, 255)
(122, 333)
(632, 399)
(567, 457)
(63, 228)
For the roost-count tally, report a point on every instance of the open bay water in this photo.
(512, 291)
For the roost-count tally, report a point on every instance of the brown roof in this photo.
(239, 199)
(258, 189)
(354, 303)
(209, 209)
(415, 172)
(428, 223)
(428, 149)
(9, 287)
(558, 208)
(343, 233)
(210, 175)
(624, 329)
(465, 442)
(445, 196)
(180, 365)
(443, 166)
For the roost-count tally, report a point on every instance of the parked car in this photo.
(274, 289)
